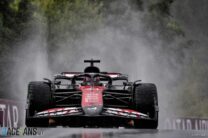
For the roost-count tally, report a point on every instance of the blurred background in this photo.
(158, 41)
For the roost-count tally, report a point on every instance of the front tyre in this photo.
(146, 101)
(39, 98)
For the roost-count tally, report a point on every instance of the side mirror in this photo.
(136, 82)
(47, 80)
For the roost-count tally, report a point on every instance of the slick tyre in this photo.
(39, 98)
(146, 101)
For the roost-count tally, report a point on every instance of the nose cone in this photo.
(92, 100)
(92, 110)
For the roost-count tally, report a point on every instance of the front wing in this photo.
(77, 111)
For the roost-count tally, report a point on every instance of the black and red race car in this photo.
(92, 99)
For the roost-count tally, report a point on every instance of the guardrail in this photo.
(185, 124)
(10, 113)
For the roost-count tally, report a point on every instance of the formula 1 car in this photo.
(92, 99)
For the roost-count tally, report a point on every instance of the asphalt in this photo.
(60, 132)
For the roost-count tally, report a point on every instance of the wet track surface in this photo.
(119, 133)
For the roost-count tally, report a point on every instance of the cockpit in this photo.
(91, 81)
